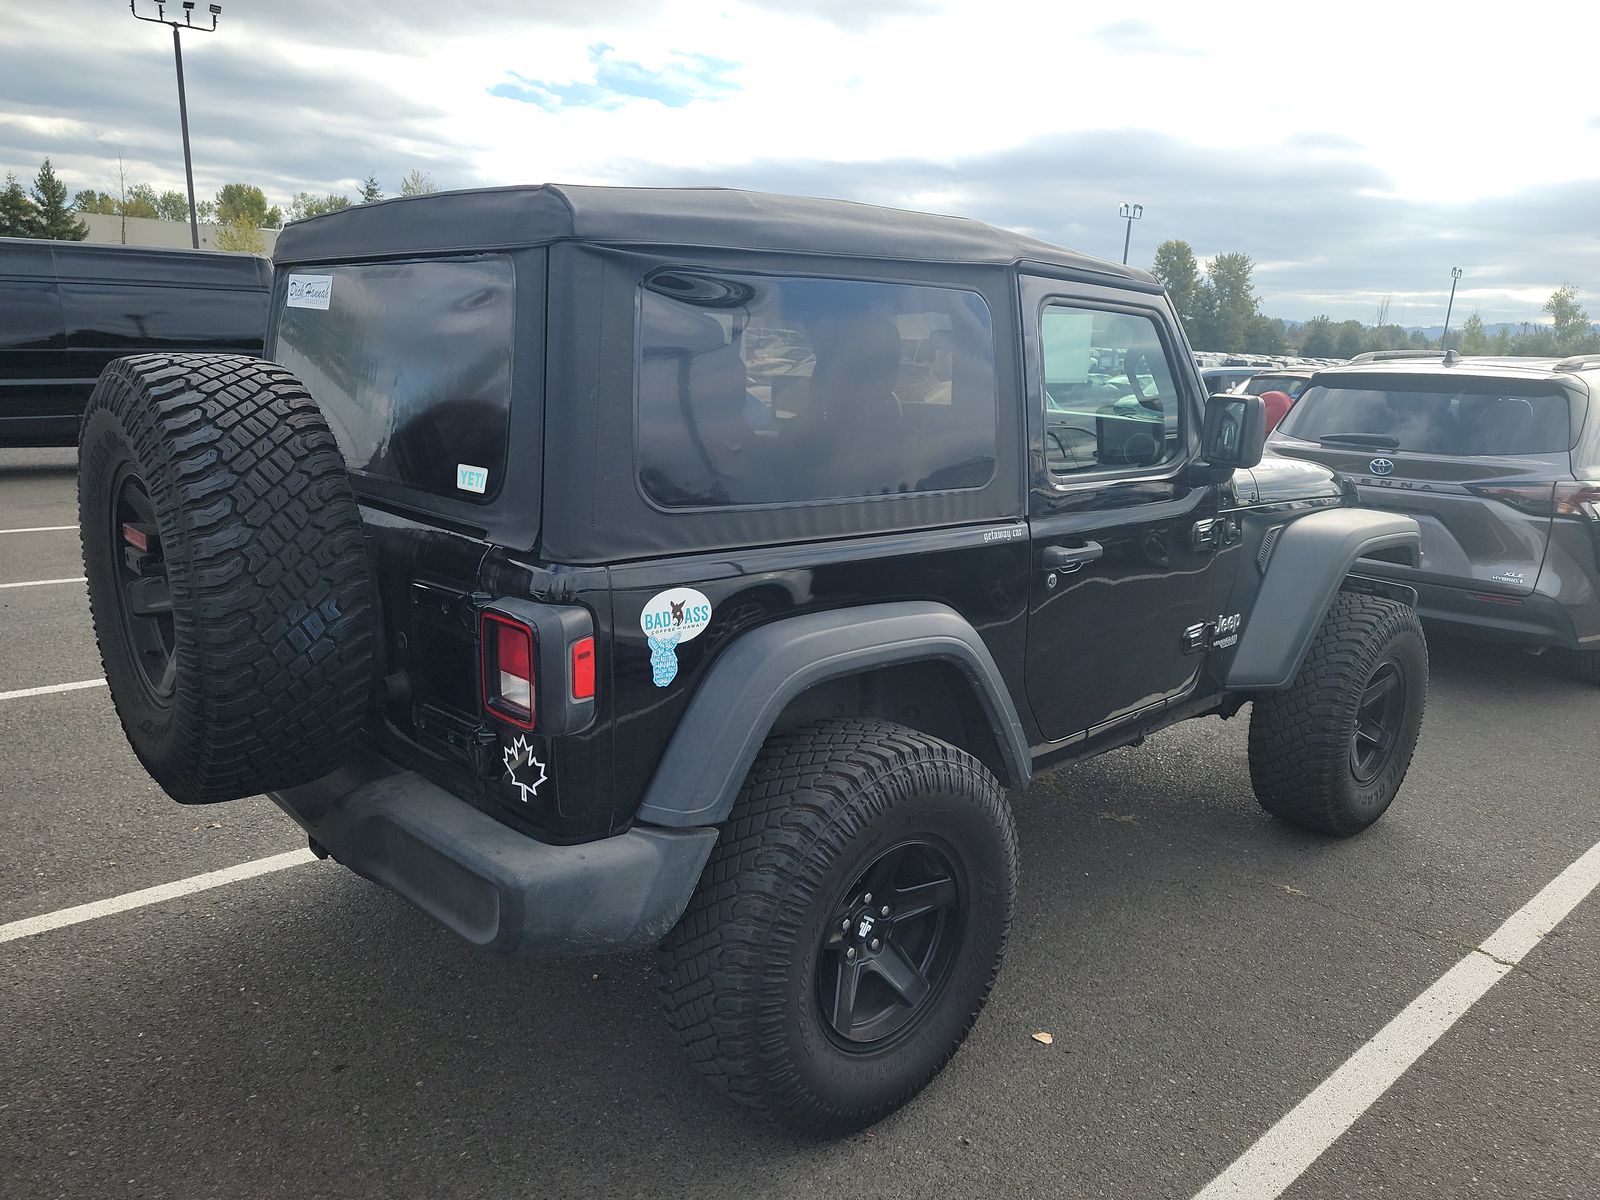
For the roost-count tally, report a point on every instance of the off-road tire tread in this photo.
(722, 966)
(272, 595)
(1298, 747)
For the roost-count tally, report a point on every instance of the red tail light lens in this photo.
(583, 669)
(508, 676)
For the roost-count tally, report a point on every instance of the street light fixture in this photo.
(1130, 213)
(1455, 275)
(161, 18)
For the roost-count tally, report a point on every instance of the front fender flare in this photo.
(750, 684)
(1307, 568)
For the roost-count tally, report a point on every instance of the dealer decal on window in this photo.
(309, 291)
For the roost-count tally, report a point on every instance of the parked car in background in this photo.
(1498, 459)
(1225, 379)
(1290, 381)
(69, 308)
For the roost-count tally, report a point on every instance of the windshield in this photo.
(1480, 417)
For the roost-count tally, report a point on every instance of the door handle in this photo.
(1070, 558)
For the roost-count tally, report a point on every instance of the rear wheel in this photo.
(848, 926)
(227, 577)
(1586, 665)
(1329, 753)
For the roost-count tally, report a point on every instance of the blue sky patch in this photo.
(685, 78)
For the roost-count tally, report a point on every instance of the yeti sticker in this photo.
(670, 618)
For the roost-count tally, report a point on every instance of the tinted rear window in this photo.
(411, 363)
(1480, 417)
(755, 390)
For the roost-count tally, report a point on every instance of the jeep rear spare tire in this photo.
(227, 578)
(848, 925)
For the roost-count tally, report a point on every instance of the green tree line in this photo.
(241, 210)
(1221, 311)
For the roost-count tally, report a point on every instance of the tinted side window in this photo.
(754, 390)
(411, 363)
(123, 315)
(1109, 396)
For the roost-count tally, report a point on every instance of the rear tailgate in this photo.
(1474, 460)
(1473, 535)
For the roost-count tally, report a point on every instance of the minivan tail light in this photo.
(508, 669)
(1580, 499)
(1535, 498)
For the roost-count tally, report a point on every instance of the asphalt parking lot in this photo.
(1200, 968)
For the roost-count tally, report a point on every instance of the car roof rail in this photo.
(1578, 362)
(1386, 355)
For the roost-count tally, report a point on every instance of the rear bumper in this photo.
(485, 881)
(1531, 620)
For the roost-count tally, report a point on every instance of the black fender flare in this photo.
(1309, 564)
(750, 684)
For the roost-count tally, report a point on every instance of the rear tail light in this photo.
(508, 669)
(1571, 499)
(1580, 499)
(582, 673)
(1532, 498)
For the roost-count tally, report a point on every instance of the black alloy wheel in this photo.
(143, 592)
(848, 925)
(889, 946)
(1380, 721)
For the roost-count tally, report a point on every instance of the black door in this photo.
(1122, 559)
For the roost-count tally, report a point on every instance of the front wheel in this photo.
(1329, 753)
(848, 927)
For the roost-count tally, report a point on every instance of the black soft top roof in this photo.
(498, 218)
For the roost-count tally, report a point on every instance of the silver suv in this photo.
(1498, 459)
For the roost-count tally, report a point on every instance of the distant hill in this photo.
(1435, 332)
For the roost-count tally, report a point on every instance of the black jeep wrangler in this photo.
(603, 568)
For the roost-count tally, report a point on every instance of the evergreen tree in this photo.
(19, 217)
(55, 220)
(370, 191)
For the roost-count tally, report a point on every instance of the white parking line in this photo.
(1317, 1122)
(51, 689)
(43, 582)
(40, 529)
(30, 926)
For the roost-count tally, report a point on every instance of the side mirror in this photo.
(1235, 431)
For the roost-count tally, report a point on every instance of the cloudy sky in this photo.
(1356, 152)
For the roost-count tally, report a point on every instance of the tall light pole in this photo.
(161, 18)
(1455, 276)
(1130, 213)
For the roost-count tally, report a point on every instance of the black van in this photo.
(69, 308)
